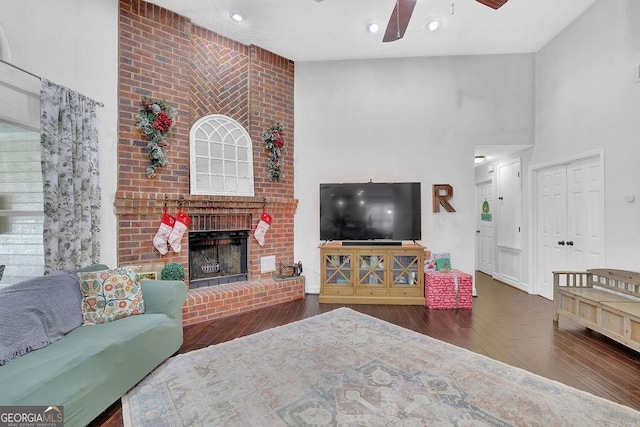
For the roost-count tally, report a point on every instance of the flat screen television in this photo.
(370, 211)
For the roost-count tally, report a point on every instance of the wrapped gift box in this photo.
(443, 260)
(430, 263)
(448, 289)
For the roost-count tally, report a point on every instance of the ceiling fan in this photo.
(402, 14)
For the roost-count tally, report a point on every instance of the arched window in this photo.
(221, 157)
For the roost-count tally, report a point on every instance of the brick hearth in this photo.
(214, 302)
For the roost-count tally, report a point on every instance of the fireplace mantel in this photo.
(130, 202)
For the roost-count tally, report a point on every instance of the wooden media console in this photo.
(378, 274)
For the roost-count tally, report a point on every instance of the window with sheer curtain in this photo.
(21, 202)
(221, 157)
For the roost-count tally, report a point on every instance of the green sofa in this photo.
(91, 367)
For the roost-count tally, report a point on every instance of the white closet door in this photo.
(552, 226)
(510, 204)
(570, 220)
(585, 215)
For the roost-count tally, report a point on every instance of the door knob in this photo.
(561, 242)
(569, 243)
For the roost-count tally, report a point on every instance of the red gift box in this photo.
(448, 289)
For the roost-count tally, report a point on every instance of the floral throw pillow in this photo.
(110, 295)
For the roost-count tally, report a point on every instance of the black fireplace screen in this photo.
(217, 257)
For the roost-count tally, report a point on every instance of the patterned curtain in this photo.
(69, 138)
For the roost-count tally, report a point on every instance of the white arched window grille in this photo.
(221, 157)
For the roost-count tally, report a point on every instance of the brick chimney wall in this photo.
(163, 55)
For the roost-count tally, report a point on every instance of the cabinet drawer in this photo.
(409, 292)
(337, 291)
(373, 292)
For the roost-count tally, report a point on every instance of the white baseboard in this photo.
(512, 282)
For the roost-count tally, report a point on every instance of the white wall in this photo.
(415, 119)
(588, 98)
(75, 43)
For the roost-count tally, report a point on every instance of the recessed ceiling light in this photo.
(373, 28)
(433, 25)
(237, 17)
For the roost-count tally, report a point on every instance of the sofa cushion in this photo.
(110, 295)
(36, 312)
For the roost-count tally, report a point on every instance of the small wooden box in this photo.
(448, 289)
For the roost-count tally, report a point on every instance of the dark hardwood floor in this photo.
(504, 324)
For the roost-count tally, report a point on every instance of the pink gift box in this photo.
(448, 289)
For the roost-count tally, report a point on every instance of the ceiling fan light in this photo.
(237, 16)
(373, 28)
(433, 25)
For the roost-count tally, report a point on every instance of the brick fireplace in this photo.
(218, 255)
(218, 249)
(165, 56)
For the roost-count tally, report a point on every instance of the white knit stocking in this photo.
(161, 237)
(175, 239)
(263, 226)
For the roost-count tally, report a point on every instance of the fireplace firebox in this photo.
(217, 257)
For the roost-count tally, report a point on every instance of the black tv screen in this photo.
(370, 211)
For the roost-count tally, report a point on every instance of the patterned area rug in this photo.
(344, 368)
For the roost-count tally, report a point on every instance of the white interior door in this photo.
(585, 215)
(570, 220)
(551, 225)
(486, 237)
(510, 205)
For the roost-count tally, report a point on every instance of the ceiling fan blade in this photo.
(399, 20)
(494, 4)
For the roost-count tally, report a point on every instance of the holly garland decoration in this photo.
(274, 142)
(156, 119)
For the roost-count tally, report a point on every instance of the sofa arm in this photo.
(164, 296)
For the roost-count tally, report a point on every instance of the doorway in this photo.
(569, 219)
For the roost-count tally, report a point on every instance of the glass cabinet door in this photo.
(371, 269)
(337, 267)
(405, 270)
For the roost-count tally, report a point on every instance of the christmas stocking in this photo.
(160, 240)
(175, 239)
(263, 226)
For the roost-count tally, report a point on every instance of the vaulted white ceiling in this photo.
(313, 30)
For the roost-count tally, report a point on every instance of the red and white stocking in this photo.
(162, 236)
(175, 239)
(263, 226)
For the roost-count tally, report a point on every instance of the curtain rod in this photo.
(98, 103)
